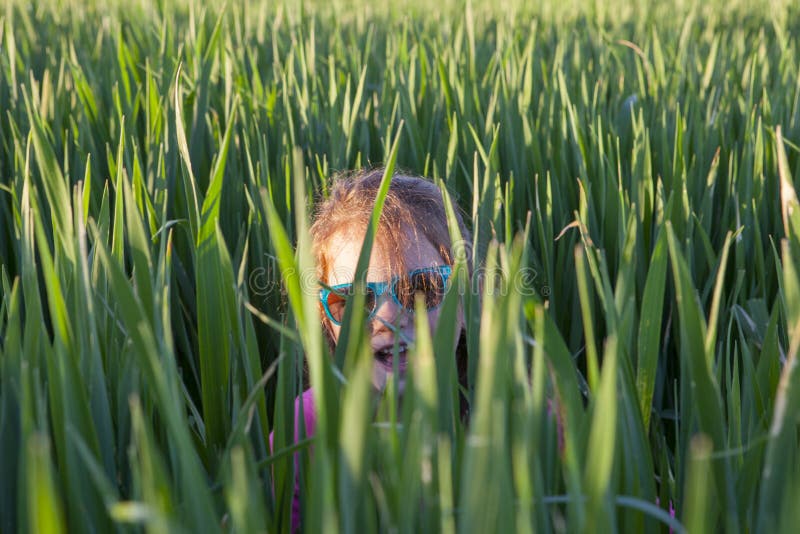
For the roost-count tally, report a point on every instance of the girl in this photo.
(412, 253)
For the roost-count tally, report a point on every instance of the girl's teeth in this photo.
(385, 353)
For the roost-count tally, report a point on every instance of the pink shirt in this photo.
(310, 419)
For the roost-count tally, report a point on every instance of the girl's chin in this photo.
(383, 372)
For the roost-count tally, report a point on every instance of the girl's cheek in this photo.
(335, 332)
(433, 320)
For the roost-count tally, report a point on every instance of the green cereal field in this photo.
(628, 170)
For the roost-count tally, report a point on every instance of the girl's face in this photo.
(390, 321)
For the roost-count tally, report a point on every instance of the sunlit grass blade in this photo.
(601, 444)
(705, 390)
(699, 494)
(158, 366)
(354, 441)
(215, 290)
(648, 340)
(244, 496)
(782, 448)
(486, 504)
(45, 508)
(344, 345)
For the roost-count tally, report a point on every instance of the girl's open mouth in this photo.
(385, 357)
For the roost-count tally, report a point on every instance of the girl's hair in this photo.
(413, 209)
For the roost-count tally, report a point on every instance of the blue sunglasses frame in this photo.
(379, 289)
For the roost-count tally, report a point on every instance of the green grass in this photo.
(633, 163)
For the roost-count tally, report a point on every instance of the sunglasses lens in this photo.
(370, 299)
(429, 283)
(336, 303)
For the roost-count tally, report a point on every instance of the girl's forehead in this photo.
(343, 251)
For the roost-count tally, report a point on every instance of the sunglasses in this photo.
(431, 282)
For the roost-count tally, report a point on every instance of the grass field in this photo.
(628, 170)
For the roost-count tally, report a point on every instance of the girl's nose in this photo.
(388, 315)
